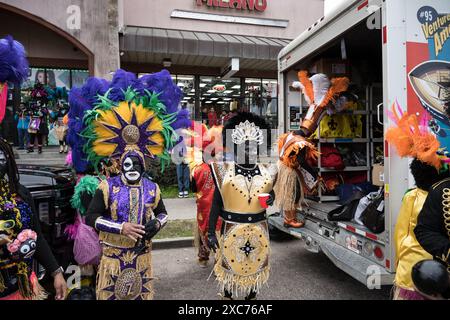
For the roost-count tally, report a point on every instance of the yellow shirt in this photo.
(407, 248)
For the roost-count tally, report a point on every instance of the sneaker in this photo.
(30, 150)
(180, 195)
(186, 194)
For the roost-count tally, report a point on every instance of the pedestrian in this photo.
(183, 174)
(242, 250)
(38, 128)
(205, 115)
(212, 118)
(23, 121)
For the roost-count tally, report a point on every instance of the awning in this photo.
(147, 43)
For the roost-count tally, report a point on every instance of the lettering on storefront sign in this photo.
(251, 5)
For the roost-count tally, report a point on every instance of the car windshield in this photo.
(34, 180)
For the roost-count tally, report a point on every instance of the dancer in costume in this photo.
(412, 138)
(202, 147)
(132, 121)
(21, 239)
(295, 177)
(433, 225)
(242, 250)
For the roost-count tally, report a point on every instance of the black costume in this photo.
(433, 225)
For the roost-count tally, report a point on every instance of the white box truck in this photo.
(392, 50)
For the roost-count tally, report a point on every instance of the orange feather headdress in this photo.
(411, 137)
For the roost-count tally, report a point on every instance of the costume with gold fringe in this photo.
(242, 260)
(134, 118)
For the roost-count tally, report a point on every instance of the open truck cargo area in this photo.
(381, 47)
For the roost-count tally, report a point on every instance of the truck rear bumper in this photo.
(358, 267)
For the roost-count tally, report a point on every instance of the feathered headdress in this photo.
(81, 100)
(13, 68)
(133, 116)
(199, 139)
(318, 89)
(319, 92)
(412, 137)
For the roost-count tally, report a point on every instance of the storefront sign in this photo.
(251, 5)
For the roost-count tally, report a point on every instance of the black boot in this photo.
(30, 150)
(39, 150)
(251, 296)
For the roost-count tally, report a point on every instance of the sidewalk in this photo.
(181, 209)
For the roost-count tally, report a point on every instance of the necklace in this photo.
(248, 174)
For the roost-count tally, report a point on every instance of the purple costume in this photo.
(125, 273)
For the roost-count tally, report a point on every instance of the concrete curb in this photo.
(174, 243)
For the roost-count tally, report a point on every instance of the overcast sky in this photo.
(332, 4)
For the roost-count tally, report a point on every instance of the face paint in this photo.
(3, 164)
(132, 169)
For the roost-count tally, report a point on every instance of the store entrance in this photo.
(54, 61)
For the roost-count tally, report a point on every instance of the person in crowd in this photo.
(59, 118)
(23, 121)
(183, 174)
(205, 115)
(212, 118)
(38, 128)
(21, 239)
(242, 247)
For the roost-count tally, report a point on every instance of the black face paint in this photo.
(132, 169)
(3, 164)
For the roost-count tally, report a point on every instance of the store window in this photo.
(187, 85)
(217, 96)
(261, 98)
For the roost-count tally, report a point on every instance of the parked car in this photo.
(52, 188)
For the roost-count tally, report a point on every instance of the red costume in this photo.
(201, 147)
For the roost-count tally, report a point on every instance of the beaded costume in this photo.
(133, 120)
(242, 259)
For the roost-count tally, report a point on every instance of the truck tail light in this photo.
(378, 253)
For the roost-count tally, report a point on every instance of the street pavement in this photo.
(297, 274)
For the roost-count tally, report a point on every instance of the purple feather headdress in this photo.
(82, 100)
(13, 61)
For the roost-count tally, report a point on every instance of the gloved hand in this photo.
(270, 201)
(151, 229)
(213, 243)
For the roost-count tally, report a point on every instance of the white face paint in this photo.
(129, 170)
